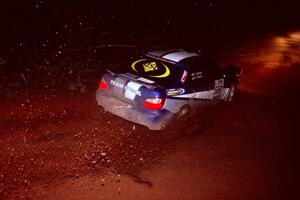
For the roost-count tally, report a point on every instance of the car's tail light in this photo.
(103, 85)
(154, 103)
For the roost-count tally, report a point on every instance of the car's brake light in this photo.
(154, 103)
(103, 85)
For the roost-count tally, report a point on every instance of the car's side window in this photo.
(201, 75)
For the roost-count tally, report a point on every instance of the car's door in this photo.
(204, 78)
(215, 77)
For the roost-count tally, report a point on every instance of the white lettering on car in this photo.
(131, 89)
(117, 84)
(196, 75)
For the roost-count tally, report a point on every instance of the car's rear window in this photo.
(162, 73)
(201, 64)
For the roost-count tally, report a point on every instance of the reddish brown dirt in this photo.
(50, 136)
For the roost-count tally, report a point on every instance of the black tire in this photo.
(179, 122)
(183, 113)
(232, 91)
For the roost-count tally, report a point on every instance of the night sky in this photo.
(71, 24)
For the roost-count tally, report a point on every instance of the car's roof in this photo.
(174, 56)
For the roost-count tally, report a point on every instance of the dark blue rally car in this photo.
(164, 85)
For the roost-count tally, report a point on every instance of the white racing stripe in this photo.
(178, 56)
(198, 95)
(132, 89)
(145, 80)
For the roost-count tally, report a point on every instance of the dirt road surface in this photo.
(57, 144)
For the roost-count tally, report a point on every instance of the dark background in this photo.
(43, 38)
(26, 24)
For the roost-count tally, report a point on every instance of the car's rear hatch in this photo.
(137, 91)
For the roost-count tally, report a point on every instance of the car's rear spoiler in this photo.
(150, 86)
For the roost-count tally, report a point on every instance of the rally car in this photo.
(164, 85)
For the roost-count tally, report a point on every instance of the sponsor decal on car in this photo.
(219, 85)
(183, 77)
(131, 89)
(196, 75)
(151, 68)
(175, 91)
(116, 84)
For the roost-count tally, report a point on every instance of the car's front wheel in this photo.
(231, 93)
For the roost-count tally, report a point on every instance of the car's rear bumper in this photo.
(130, 113)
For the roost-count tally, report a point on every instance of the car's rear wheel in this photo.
(183, 113)
(179, 120)
(184, 123)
